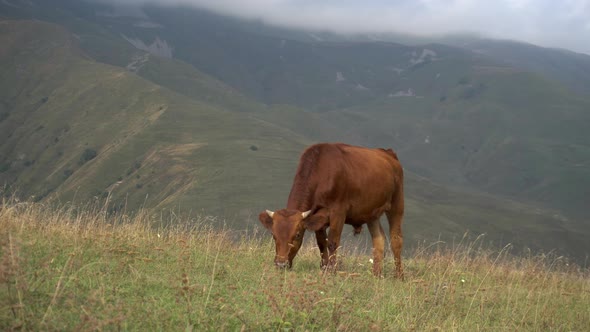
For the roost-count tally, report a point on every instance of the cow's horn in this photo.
(305, 214)
(270, 213)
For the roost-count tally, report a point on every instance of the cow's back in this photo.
(357, 179)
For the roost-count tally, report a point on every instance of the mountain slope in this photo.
(477, 110)
(158, 132)
(82, 128)
(570, 68)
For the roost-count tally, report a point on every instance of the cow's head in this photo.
(287, 229)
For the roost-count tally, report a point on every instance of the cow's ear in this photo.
(265, 219)
(315, 222)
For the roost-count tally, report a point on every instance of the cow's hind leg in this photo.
(378, 245)
(395, 216)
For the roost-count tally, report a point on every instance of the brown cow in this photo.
(337, 184)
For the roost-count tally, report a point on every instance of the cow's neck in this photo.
(302, 191)
(299, 199)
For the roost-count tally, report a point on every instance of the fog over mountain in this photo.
(560, 24)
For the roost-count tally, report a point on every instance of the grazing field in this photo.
(78, 268)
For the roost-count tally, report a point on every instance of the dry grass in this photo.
(75, 268)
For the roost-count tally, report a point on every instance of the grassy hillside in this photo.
(488, 133)
(495, 124)
(158, 133)
(76, 269)
(81, 129)
(436, 210)
(76, 129)
(570, 68)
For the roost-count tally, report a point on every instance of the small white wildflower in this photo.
(371, 260)
(158, 235)
(463, 280)
(321, 292)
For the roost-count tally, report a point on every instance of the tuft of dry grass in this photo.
(81, 268)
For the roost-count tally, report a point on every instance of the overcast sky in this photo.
(552, 23)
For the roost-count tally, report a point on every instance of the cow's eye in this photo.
(298, 236)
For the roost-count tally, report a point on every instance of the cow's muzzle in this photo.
(283, 265)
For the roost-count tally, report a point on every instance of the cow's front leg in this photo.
(322, 240)
(334, 234)
(318, 222)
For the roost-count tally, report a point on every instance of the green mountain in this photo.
(178, 108)
(80, 128)
(569, 68)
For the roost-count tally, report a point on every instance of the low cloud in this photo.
(563, 24)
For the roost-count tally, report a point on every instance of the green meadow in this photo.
(80, 268)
